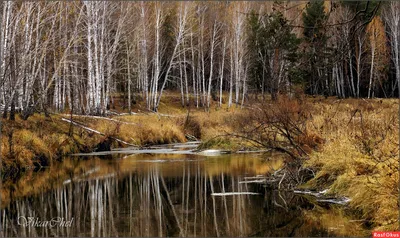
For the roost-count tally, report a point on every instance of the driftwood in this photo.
(190, 137)
(95, 131)
(322, 197)
(234, 193)
(253, 181)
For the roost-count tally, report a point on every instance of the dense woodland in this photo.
(78, 56)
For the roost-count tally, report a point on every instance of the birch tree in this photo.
(102, 46)
(238, 44)
(213, 44)
(392, 19)
(377, 40)
(181, 32)
(80, 56)
(157, 55)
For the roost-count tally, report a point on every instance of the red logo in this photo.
(386, 234)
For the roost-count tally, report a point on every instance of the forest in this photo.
(200, 118)
(80, 56)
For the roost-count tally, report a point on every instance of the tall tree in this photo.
(392, 19)
(379, 54)
(181, 31)
(316, 50)
(275, 48)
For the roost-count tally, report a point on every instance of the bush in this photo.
(282, 126)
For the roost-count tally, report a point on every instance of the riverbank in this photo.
(40, 140)
(357, 158)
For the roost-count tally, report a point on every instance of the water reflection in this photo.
(164, 195)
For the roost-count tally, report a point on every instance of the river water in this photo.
(164, 191)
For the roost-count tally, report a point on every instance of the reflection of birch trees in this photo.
(144, 203)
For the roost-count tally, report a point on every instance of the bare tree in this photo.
(392, 18)
(179, 38)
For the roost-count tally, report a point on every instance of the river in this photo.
(164, 191)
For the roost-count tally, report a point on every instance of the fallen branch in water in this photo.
(233, 193)
(95, 131)
(253, 181)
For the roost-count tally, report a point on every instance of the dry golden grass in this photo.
(40, 139)
(140, 130)
(216, 125)
(360, 156)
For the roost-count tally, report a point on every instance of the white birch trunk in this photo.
(213, 42)
(359, 63)
(90, 83)
(193, 70)
(371, 75)
(231, 80)
(179, 38)
(392, 17)
(221, 78)
(186, 77)
(128, 65)
(157, 59)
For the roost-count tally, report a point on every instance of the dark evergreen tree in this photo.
(316, 52)
(272, 51)
(256, 73)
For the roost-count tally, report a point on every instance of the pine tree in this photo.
(316, 51)
(273, 50)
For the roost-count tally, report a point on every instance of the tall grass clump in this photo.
(39, 140)
(360, 157)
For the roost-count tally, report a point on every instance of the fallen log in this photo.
(253, 181)
(234, 193)
(102, 118)
(95, 131)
